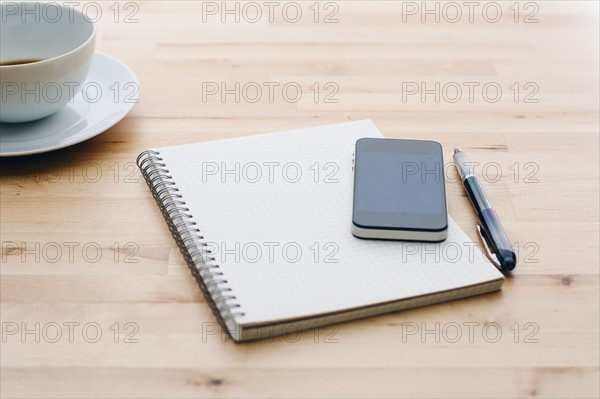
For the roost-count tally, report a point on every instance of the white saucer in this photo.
(83, 118)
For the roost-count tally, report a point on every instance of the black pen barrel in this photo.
(491, 224)
(476, 194)
(498, 239)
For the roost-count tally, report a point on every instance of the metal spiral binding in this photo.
(188, 237)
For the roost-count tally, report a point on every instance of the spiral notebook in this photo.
(264, 224)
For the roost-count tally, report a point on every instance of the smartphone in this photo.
(399, 190)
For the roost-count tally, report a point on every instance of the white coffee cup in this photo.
(61, 39)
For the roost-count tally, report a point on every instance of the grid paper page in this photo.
(276, 210)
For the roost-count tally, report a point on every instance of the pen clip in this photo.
(491, 256)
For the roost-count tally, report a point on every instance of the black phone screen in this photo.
(399, 184)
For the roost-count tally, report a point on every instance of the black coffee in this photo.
(20, 62)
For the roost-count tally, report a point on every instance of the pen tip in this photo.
(456, 150)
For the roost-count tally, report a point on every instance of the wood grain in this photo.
(83, 241)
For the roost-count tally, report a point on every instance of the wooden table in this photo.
(85, 250)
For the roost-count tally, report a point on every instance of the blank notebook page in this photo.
(276, 210)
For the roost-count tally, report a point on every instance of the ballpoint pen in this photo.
(490, 229)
